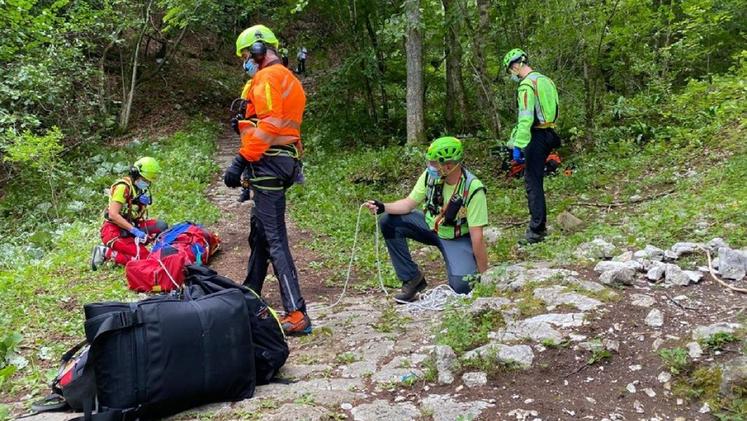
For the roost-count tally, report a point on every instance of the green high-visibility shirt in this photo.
(538, 107)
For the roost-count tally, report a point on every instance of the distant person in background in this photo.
(283, 55)
(127, 228)
(301, 68)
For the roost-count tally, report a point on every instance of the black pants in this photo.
(542, 143)
(268, 238)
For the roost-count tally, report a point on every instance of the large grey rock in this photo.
(642, 300)
(483, 304)
(620, 276)
(716, 244)
(395, 375)
(563, 320)
(384, 410)
(694, 276)
(533, 330)
(446, 408)
(684, 248)
(649, 252)
(624, 257)
(734, 376)
(474, 379)
(675, 276)
(520, 355)
(505, 278)
(655, 318)
(694, 350)
(358, 369)
(568, 221)
(732, 263)
(446, 361)
(705, 332)
(595, 250)
(556, 295)
(607, 265)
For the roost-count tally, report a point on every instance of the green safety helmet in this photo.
(148, 168)
(444, 149)
(512, 56)
(257, 33)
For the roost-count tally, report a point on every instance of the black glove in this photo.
(232, 177)
(379, 206)
(235, 123)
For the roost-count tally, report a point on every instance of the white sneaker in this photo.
(98, 255)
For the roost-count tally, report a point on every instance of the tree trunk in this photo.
(380, 66)
(455, 108)
(415, 92)
(124, 116)
(486, 96)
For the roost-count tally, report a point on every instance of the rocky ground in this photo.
(562, 342)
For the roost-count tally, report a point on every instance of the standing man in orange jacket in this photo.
(270, 150)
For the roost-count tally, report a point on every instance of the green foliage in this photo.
(391, 321)
(599, 354)
(463, 331)
(676, 360)
(718, 341)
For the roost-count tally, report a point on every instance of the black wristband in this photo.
(379, 207)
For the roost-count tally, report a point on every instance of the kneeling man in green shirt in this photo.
(454, 212)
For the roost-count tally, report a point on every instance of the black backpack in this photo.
(162, 355)
(270, 346)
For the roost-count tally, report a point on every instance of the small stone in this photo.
(694, 350)
(607, 265)
(642, 300)
(649, 252)
(705, 408)
(346, 406)
(694, 276)
(733, 376)
(655, 318)
(590, 400)
(630, 388)
(650, 392)
(568, 222)
(445, 363)
(528, 401)
(474, 379)
(638, 407)
(705, 332)
(491, 235)
(670, 255)
(621, 276)
(594, 250)
(674, 275)
(655, 273)
(680, 401)
(611, 345)
(732, 263)
(684, 248)
(634, 367)
(658, 342)
(664, 377)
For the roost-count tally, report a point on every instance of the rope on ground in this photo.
(352, 258)
(713, 273)
(432, 300)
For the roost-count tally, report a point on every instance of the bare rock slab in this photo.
(705, 332)
(595, 250)
(520, 355)
(733, 376)
(642, 300)
(384, 410)
(555, 296)
(446, 408)
(474, 379)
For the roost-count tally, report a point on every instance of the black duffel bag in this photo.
(163, 355)
(270, 346)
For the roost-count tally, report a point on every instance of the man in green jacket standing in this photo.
(534, 136)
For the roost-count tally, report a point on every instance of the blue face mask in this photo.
(250, 67)
(515, 78)
(433, 172)
(142, 185)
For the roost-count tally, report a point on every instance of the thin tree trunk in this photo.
(102, 71)
(415, 88)
(380, 66)
(455, 107)
(124, 117)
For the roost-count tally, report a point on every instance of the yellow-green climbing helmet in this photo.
(257, 33)
(148, 168)
(512, 56)
(444, 149)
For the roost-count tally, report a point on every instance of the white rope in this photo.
(167, 273)
(435, 299)
(352, 258)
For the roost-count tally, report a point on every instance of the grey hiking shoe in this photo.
(98, 255)
(410, 289)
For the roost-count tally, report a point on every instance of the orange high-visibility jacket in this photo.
(277, 98)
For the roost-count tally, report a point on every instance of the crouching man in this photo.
(454, 213)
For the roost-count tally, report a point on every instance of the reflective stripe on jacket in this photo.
(278, 100)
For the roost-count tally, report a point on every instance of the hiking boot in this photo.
(531, 237)
(296, 323)
(98, 256)
(410, 289)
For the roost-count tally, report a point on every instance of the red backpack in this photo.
(161, 271)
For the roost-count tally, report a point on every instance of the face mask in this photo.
(515, 78)
(433, 172)
(142, 185)
(250, 67)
